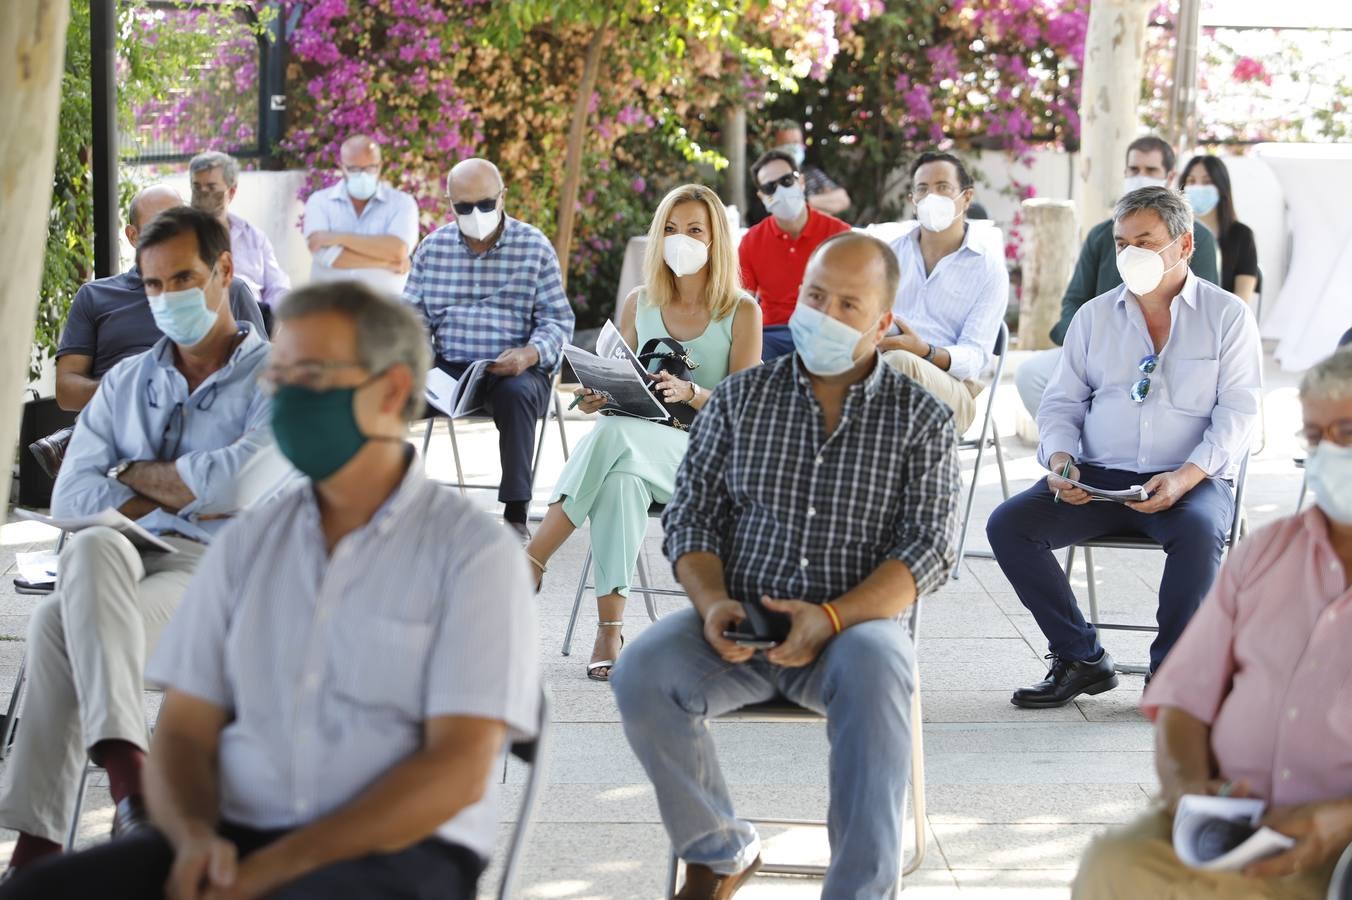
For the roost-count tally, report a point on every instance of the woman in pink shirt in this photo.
(1255, 699)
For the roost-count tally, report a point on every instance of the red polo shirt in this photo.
(773, 261)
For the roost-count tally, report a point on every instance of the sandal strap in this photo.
(619, 624)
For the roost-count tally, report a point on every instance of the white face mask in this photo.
(479, 225)
(1329, 470)
(1136, 182)
(683, 254)
(787, 203)
(936, 212)
(1142, 270)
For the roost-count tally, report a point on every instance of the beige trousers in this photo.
(959, 396)
(1138, 861)
(87, 649)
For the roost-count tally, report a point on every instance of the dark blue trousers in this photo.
(516, 405)
(776, 341)
(1026, 528)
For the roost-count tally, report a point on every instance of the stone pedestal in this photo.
(1050, 248)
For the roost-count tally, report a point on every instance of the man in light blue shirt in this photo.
(953, 294)
(164, 441)
(361, 228)
(1157, 386)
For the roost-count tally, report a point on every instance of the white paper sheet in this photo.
(1196, 811)
(37, 567)
(108, 518)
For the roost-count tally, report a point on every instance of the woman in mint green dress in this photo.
(691, 293)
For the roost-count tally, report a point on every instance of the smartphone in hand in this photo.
(755, 641)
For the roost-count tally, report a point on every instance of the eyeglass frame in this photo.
(363, 170)
(1142, 386)
(268, 383)
(487, 204)
(1326, 432)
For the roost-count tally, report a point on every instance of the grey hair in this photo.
(1169, 204)
(388, 332)
(1330, 378)
(213, 159)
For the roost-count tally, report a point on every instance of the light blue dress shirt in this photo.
(959, 305)
(388, 212)
(1203, 400)
(143, 411)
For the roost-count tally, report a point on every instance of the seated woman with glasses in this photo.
(1256, 698)
(1206, 184)
(691, 294)
(1157, 387)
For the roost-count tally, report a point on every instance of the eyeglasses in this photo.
(943, 188)
(314, 375)
(488, 204)
(1339, 432)
(172, 436)
(1141, 389)
(774, 184)
(364, 170)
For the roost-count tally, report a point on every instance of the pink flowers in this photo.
(1249, 69)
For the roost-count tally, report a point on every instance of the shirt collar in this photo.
(967, 244)
(164, 354)
(388, 514)
(812, 216)
(510, 227)
(1188, 293)
(870, 385)
(340, 194)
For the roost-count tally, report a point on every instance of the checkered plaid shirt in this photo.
(816, 181)
(798, 514)
(478, 306)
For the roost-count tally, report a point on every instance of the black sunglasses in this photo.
(774, 184)
(488, 204)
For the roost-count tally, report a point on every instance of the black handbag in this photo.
(676, 361)
(41, 417)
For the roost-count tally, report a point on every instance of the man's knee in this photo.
(905, 362)
(649, 669)
(44, 625)
(1113, 865)
(1007, 525)
(99, 546)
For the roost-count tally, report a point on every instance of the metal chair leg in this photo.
(558, 417)
(967, 509)
(1093, 591)
(1000, 461)
(1304, 486)
(673, 866)
(427, 440)
(74, 828)
(455, 452)
(577, 603)
(12, 716)
(643, 588)
(917, 782)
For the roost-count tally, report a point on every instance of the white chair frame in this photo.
(785, 711)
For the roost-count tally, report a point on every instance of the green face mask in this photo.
(316, 430)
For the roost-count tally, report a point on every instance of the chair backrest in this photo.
(1241, 480)
(534, 753)
(1340, 886)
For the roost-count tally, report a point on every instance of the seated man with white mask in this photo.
(489, 287)
(831, 459)
(1157, 387)
(953, 293)
(165, 440)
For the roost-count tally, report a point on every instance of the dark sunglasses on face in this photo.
(785, 181)
(488, 204)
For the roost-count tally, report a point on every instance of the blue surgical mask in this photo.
(1329, 470)
(797, 151)
(183, 316)
(1202, 197)
(362, 185)
(826, 346)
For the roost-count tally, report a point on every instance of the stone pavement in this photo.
(1013, 795)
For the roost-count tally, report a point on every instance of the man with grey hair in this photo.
(360, 227)
(215, 179)
(1257, 694)
(1158, 387)
(325, 734)
(489, 288)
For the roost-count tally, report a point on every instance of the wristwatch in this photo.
(116, 471)
(929, 354)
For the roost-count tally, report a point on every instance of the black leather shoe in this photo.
(49, 451)
(1066, 680)
(130, 816)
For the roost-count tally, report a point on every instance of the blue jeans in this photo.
(776, 341)
(670, 682)
(1026, 528)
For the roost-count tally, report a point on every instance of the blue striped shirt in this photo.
(477, 306)
(959, 305)
(329, 665)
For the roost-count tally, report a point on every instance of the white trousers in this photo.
(959, 396)
(87, 649)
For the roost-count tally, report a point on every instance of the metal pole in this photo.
(1182, 128)
(272, 85)
(734, 148)
(102, 33)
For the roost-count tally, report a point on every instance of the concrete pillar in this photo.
(734, 148)
(32, 56)
(1110, 93)
(1050, 247)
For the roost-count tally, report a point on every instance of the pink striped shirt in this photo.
(1267, 663)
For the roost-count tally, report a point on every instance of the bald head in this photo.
(859, 264)
(146, 205)
(359, 151)
(473, 179)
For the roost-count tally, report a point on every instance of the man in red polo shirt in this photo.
(774, 253)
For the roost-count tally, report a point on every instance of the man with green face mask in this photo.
(335, 708)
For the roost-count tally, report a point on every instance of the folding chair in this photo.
(74, 830)
(535, 754)
(554, 408)
(1138, 541)
(654, 512)
(990, 437)
(1340, 885)
(780, 710)
(21, 678)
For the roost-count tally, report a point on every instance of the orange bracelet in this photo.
(833, 616)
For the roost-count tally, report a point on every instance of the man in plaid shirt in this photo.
(820, 487)
(488, 286)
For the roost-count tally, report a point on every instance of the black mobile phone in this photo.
(756, 641)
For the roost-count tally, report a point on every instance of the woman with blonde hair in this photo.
(691, 293)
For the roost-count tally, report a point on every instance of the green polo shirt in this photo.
(1096, 270)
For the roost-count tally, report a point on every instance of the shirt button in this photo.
(1286, 774)
(1292, 713)
(818, 461)
(803, 562)
(811, 512)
